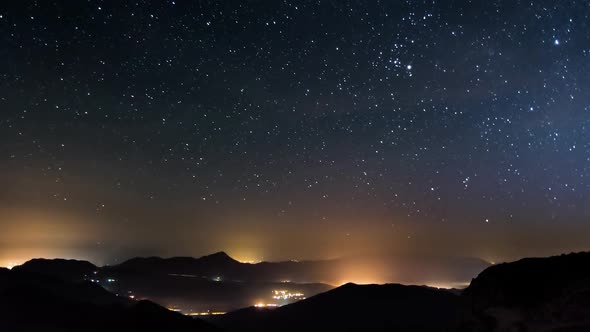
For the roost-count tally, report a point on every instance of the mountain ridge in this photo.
(353, 307)
(35, 302)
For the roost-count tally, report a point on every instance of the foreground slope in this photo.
(34, 302)
(355, 308)
(532, 294)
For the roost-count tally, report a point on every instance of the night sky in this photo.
(293, 129)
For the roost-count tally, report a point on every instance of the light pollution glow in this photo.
(47, 233)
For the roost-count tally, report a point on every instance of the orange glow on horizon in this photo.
(448, 285)
(9, 265)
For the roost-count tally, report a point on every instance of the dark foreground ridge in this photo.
(353, 307)
(534, 294)
(219, 283)
(34, 302)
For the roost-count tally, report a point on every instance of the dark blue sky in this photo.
(183, 127)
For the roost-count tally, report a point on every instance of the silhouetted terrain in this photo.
(66, 269)
(210, 283)
(221, 265)
(217, 282)
(532, 294)
(422, 270)
(355, 308)
(33, 302)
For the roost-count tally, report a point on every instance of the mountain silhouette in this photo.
(219, 258)
(221, 266)
(214, 282)
(217, 282)
(218, 263)
(67, 269)
(532, 294)
(354, 307)
(519, 283)
(36, 302)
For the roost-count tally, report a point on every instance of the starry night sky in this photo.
(294, 129)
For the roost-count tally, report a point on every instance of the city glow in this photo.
(444, 285)
(206, 313)
(287, 295)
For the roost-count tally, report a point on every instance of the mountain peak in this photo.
(220, 256)
(349, 285)
(67, 269)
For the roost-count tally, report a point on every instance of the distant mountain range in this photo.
(66, 269)
(215, 283)
(533, 294)
(414, 270)
(417, 270)
(219, 283)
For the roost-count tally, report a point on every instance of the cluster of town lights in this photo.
(287, 295)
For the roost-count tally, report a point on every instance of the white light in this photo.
(556, 42)
(409, 67)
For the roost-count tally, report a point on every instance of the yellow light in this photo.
(206, 313)
(285, 295)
